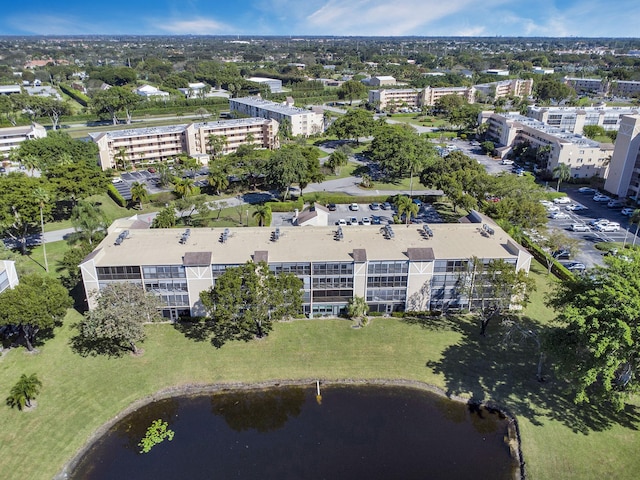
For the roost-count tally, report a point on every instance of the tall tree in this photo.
(336, 160)
(139, 193)
(400, 151)
(36, 303)
(350, 90)
(88, 220)
(285, 168)
(43, 197)
(597, 345)
(166, 218)
(404, 205)
(184, 187)
(216, 144)
(562, 172)
(247, 300)
(113, 101)
(23, 392)
(118, 320)
(263, 214)
(218, 179)
(354, 124)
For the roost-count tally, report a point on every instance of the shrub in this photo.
(115, 195)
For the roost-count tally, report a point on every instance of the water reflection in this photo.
(264, 411)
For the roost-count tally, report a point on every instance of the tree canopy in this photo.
(246, 300)
(400, 151)
(354, 124)
(597, 346)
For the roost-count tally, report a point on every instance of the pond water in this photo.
(285, 433)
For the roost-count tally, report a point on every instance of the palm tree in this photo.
(218, 180)
(262, 214)
(42, 196)
(635, 219)
(357, 309)
(216, 143)
(139, 193)
(562, 172)
(405, 205)
(184, 187)
(121, 157)
(24, 391)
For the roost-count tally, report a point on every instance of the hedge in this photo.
(557, 268)
(288, 206)
(115, 195)
(78, 96)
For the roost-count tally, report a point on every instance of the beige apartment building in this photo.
(507, 88)
(158, 144)
(601, 86)
(394, 268)
(587, 158)
(302, 122)
(12, 137)
(624, 172)
(412, 97)
(574, 119)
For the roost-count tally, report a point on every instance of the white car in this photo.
(628, 211)
(574, 207)
(354, 207)
(559, 215)
(601, 198)
(553, 208)
(608, 227)
(586, 190)
(366, 221)
(599, 221)
(506, 161)
(546, 203)
(342, 222)
(579, 227)
(562, 200)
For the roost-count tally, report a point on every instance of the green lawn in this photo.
(81, 393)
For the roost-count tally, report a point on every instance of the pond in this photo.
(287, 433)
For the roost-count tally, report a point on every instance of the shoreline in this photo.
(514, 440)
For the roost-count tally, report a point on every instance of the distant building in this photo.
(149, 91)
(398, 97)
(274, 84)
(543, 71)
(431, 95)
(9, 89)
(507, 88)
(382, 80)
(195, 90)
(157, 144)
(302, 122)
(623, 179)
(12, 137)
(585, 157)
(599, 86)
(497, 71)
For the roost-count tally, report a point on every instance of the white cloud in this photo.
(53, 25)
(195, 26)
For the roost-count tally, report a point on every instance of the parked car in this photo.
(553, 208)
(598, 221)
(608, 227)
(386, 206)
(366, 221)
(562, 200)
(561, 254)
(151, 169)
(559, 215)
(506, 161)
(598, 197)
(579, 227)
(628, 211)
(354, 207)
(375, 220)
(332, 207)
(574, 207)
(342, 222)
(614, 204)
(374, 206)
(417, 202)
(575, 267)
(586, 190)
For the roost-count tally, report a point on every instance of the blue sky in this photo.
(550, 18)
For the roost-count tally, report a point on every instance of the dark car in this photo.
(386, 206)
(332, 207)
(561, 254)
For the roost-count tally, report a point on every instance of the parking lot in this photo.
(587, 252)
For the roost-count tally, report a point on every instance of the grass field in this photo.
(80, 394)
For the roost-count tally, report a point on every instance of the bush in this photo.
(115, 195)
(288, 206)
(78, 96)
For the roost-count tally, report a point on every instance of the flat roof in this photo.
(299, 244)
(269, 105)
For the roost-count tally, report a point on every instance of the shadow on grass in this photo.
(487, 370)
(87, 347)
(435, 322)
(217, 333)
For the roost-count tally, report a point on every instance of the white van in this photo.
(579, 227)
(608, 227)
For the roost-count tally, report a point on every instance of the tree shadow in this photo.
(89, 347)
(486, 369)
(197, 330)
(436, 323)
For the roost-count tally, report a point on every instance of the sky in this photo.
(521, 18)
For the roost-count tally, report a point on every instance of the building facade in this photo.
(8, 275)
(158, 144)
(398, 97)
(600, 86)
(275, 85)
(393, 268)
(12, 137)
(574, 119)
(624, 172)
(585, 157)
(302, 122)
(507, 88)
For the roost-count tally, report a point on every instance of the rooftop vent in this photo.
(275, 236)
(387, 230)
(487, 230)
(339, 234)
(427, 232)
(122, 237)
(185, 236)
(224, 236)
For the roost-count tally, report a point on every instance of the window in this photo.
(164, 271)
(118, 273)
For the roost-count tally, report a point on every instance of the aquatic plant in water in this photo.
(156, 433)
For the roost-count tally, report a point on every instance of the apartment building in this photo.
(431, 95)
(507, 88)
(600, 86)
(157, 144)
(8, 275)
(12, 137)
(400, 97)
(623, 179)
(574, 119)
(587, 158)
(394, 268)
(302, 122)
